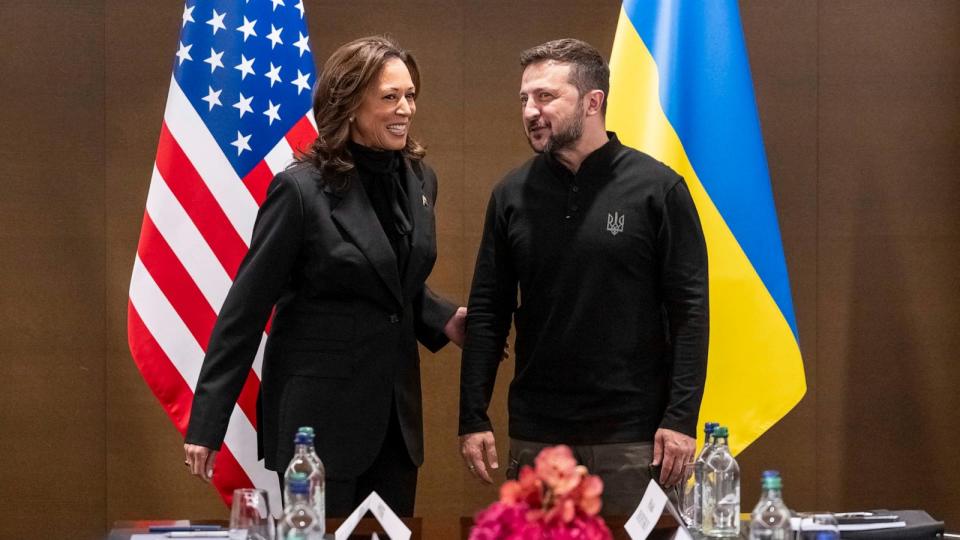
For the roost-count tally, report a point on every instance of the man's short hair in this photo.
(588, 70)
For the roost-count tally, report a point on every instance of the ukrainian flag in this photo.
(680, 90)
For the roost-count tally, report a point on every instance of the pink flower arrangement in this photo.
(556, 500)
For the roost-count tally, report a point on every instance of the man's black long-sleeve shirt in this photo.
(612, 315)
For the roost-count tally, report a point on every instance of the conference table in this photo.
(430, 528)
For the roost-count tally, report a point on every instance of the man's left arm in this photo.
(685, 290)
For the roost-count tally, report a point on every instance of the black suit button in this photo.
(394, 318)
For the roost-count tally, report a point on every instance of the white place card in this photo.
(648, 512)
(390, 522)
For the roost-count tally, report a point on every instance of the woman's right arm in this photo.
(274, 246)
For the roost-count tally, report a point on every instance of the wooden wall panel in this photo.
(51, 268)
(888, 258)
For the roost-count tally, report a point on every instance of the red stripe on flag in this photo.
(247, 400)
(229, 475)
(199, 203)
(177, 285)
(301, 136)
(175, 396)
(187, 300)
(161, 376)
(257, 181)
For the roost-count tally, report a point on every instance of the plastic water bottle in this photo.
(696, 521)
(306, 461)
(721, 501)
(299, 521)
(771, 517)
(318, 488)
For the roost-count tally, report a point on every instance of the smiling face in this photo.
(553, 111)
(383, 119)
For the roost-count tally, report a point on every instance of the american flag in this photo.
(239, 104)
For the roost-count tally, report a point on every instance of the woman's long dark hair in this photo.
(345, 78)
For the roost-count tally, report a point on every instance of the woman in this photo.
(342, 246)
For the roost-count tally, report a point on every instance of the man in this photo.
(612, 322)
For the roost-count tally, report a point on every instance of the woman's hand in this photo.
(456, 327)
(200, 460)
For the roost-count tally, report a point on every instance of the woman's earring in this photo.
(351, 119)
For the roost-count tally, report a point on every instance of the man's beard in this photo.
(565, 137)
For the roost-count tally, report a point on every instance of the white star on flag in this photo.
(277, 3)
(244, 105)
(300, 7)
(272, 112)
(274, 36)
(217, 21)
(187, 15)
(301, 82)
(242, 143)
(213, 97)
(273, 74)
(214, 60)
(183, 53)
(247, 28)
(303, 43)
(245, 66)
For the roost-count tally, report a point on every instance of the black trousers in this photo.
(392, 475)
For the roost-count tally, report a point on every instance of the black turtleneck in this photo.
(612, 331)
(382, 175)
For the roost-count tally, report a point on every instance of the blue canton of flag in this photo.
(247, 68)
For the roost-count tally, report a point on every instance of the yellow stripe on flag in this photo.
(755, 372)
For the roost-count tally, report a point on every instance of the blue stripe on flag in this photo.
(706, 92)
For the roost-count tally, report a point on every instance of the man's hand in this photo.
(456, 327)
(672, 450)
(200, 460)
(473, 448)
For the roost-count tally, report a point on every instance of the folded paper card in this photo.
(391, 524)
(648, 512)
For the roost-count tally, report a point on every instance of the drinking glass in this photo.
(250, 517)
(686, 493)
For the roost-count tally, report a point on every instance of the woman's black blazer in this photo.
(343, 341)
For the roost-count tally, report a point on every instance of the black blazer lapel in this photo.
(421, 214)
(355, 214)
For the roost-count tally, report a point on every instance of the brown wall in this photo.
(860, 105)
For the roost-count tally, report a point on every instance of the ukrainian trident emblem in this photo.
(615, 223)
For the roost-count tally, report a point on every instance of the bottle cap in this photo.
(298, 483)
(721, 432)
(306, 429)
(771, 482)
(770, 472)
(709, 427)
(302, 438)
